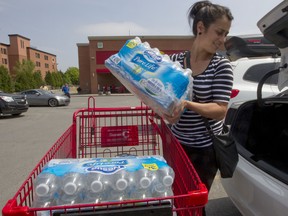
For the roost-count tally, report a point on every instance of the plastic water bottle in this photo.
(159, 190)
(45, 188)
(97, 188)
(162, 185)
(66, 199)
(72, 183)
(143, 179)
(72, 188)
(120, 183)
(166, 176)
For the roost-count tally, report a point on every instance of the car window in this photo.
(30, 92)
(256, 72)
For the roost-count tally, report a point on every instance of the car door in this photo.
(33, 97)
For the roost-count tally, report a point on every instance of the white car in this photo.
(259, 185)
(252, 57)
(247, 72)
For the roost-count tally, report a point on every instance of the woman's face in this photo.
(215, 36)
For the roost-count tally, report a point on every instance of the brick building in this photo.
(19, 49)
(91, 56)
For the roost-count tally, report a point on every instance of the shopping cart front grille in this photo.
(107, 134)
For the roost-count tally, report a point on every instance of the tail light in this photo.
(234, 93)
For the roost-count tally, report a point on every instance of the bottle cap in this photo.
(160, 188)
(70, 188)
(168, 180)
(96, 186)
(121, 184)
(145, 182)
(42, 190)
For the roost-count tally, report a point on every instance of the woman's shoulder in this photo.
(179, 56)
(219, 59)
(221, 64)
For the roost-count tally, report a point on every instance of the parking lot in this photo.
(25, 139)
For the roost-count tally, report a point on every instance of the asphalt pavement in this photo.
(25, 140)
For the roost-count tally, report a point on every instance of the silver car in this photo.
(40, 97)
(259, 185)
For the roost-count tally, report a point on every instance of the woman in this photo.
(212, 84)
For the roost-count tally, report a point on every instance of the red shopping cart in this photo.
(108, 132)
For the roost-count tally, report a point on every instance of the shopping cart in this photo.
(109, 132)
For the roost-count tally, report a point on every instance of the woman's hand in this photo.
(172, 119)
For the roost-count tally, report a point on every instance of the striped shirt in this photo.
(213, 85)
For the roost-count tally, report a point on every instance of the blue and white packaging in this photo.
(95, 180)
(156, 80)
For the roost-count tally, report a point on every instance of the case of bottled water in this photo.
(159, 82)
(99, 180)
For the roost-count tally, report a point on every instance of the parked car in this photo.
(41, 97)
(253, 56)
(247, 74)
(259, 185)
(12, 104)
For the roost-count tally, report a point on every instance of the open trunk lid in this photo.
(274, 26)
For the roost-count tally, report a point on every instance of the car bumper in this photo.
(254, 192)
(14, 109)
(64, 102)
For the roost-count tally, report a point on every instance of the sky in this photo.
(56, 26)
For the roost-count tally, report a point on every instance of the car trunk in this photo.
(261, 133)
(260, 127)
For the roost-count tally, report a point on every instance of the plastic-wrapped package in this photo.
(156, 80)
(97, 180)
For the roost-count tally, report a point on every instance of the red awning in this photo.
(102, 70)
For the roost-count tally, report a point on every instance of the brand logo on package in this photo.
(106, 162)
(105, 169)
(140, 60)
(150, 55)
(119, 136)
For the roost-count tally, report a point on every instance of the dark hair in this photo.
(206, 12)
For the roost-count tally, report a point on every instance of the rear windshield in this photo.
(256, 72)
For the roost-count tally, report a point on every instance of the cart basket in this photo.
(108, 132)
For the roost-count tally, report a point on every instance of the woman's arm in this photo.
(215, 110)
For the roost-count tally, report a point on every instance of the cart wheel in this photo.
(52, 102)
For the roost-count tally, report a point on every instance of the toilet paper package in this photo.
(156, 80)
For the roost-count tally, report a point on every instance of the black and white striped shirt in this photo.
(213, 85)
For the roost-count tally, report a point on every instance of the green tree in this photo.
(48, 78)
(38, 79)
(57, 79)
(24, 75)
(5, 80)
(73, 74)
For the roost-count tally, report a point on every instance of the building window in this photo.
(37, 55)
(3, 51)
(22, 43)
(38, 64)
(46, 65)
(45, 57)
(4, 61)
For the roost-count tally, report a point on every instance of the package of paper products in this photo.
(156, 80)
